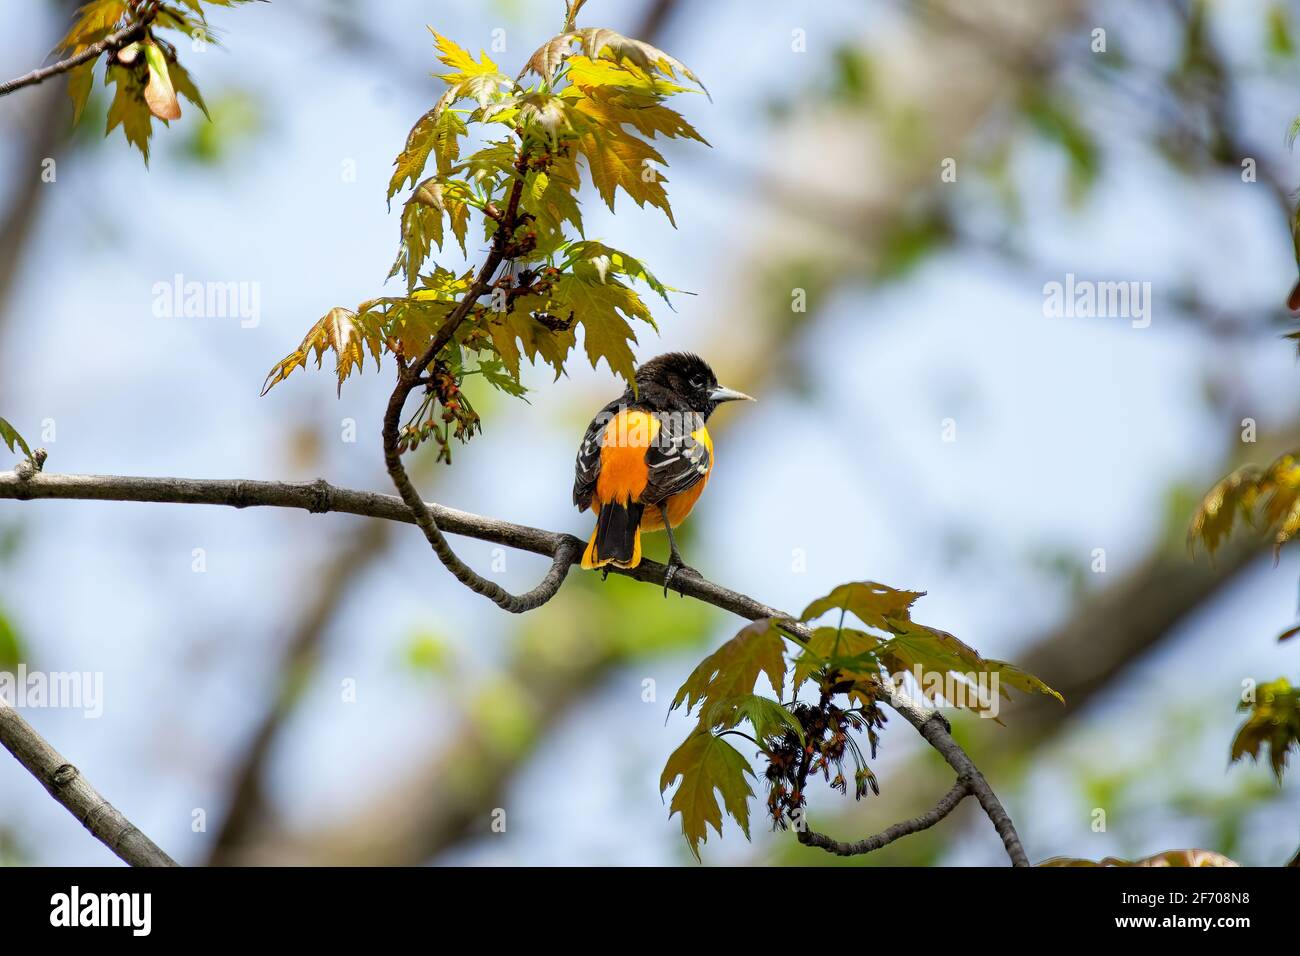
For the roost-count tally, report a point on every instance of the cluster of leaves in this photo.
(852, 669)
(146, 73)
(1273, 724)
(597, 98)
(1267, 499)
(13, 441)
(1175, 858)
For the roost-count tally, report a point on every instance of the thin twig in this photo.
(114, 41)
(959, 792)
(320, 497)
(66, 785)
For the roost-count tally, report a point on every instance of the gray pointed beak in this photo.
(723, 394)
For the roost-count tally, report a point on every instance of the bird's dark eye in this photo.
(698, 382)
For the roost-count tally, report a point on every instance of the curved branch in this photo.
(66, 785)
(114, 41)
(410, 376)
(959, 792)
(319, 497)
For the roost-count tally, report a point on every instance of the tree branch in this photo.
(66, 785)
(567, 549)
(114, 41)
(959, 792)
(319, 497)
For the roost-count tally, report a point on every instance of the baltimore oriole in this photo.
(646, 458)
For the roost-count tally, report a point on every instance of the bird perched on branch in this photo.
(646, 458)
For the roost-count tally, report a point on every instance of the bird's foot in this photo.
(676, 567)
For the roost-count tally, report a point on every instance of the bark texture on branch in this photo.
(959, 792)
(66, 784)
(113, 41)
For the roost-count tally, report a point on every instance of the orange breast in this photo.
(623, 471)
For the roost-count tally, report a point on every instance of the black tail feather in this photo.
(616, 528)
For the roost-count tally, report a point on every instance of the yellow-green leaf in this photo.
(829, 644)
(732, 669)
(706, 764)
(9, 435)
(871, 603)
(339, 331)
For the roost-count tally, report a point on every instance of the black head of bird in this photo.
(685, 380)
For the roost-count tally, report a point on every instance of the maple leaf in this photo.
(340, 331)
(706, 764)
(591, 260)
(732, 669)
(9, 435)
(438, 132)
(770, 720)
(185, 86)
(147, 76)
(617, 160)
(1218, 511)
(519, 332)
(598, 91)
(1273, 725)
(596, 42)
(550, 195)
(128, 108)
(95, 20)
(873, 604)
(936, 652)
(850, 651)
(603, 309)
(422, 224)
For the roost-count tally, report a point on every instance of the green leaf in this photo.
(499, 377)
(770, 720)
(1273, 725)
(438, 132)
(128, 108)
(732, 669)
(706, 764)
(186, 87)
(851, 651)
(9, 435)
(80, 81)
(937, 652)
(597, 42)
(602, 309)
(595, 261)
(873, 604)
(342, 331)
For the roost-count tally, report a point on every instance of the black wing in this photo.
(586, 469)
(675, 459)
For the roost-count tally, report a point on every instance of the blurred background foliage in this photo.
(924, 303)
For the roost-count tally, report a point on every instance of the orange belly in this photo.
(623, 472)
